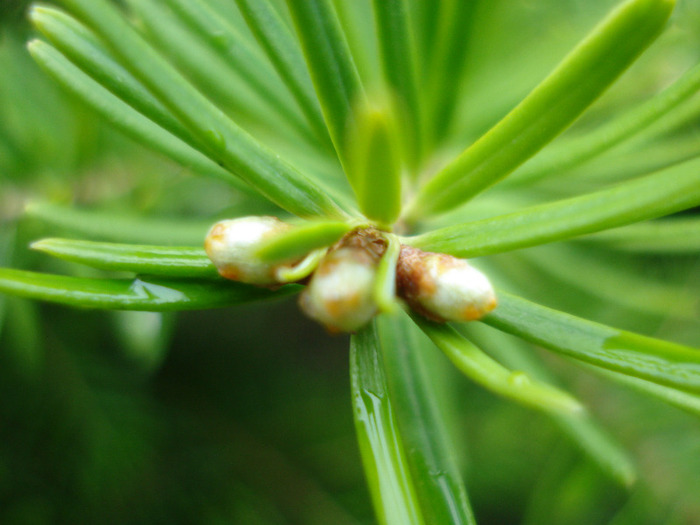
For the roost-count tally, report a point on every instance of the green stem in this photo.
(381, 445)
(278, 42)
(549, 109)
(224, 139)
(330, 63)
(483, 370)
(663, 193)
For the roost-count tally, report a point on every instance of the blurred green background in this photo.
(244, 415)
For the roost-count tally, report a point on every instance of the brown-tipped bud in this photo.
(340, 294)
(231, 246)
(442, 287)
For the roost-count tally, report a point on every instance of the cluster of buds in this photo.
(341, 292)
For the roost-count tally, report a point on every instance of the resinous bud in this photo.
(231, 246)
(442, 287)
(340, 295)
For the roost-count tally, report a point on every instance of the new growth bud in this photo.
(442, 287)
(340, 294)
(343, 291)
(231, 246)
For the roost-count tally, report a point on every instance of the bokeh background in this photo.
(243, 415)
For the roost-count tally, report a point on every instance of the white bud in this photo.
(231, 246)
(442, 287)
(340, 294)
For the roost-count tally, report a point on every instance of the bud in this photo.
(340, 294)
(442, 287)
(231, 246)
